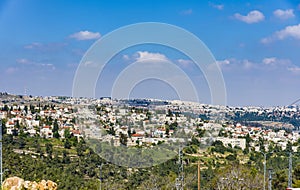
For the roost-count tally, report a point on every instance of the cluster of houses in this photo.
(19, 119)
(118, 122)
(277, 137)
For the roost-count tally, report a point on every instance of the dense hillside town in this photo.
(42, 132)
(148, 122)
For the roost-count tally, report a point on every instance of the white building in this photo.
(233, 141)
(46, 132)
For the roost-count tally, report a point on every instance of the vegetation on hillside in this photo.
(73, 165)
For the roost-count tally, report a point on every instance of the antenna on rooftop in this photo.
(25, 91)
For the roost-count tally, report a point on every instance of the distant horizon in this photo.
(296, 102)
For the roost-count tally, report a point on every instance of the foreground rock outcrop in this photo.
(16, 183)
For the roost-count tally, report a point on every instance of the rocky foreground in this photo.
(16, 183)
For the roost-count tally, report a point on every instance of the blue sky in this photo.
(256, 44)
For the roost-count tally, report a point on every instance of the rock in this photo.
(16, 183)
(13, 183)
(49, 185)
(31, 185)
(42, 185)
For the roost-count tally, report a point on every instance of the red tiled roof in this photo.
(137, 135)
(76, 132)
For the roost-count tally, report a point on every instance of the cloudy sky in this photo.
(256, 44)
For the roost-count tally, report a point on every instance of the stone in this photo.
(13, 183)
(16, 183)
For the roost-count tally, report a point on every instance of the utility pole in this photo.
(265, 166)
(180, 179)
(290, 169)
(100, 176)
(199, 176)
(270, 179)
(1, 169)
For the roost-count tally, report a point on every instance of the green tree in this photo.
(67, 144)
(4, 130)
(123, 139)
(231, 157)
(280, 180)
(200, 132)
(55, 129)
(218, 147)
(22, 142)
(49, 149)
(5, 108)
(296, 176)
(65, 159)
(80, 148)
(67, 133)
(26, 109)
(169, 114)
(236, 177)
(289, 147)
(38, 147)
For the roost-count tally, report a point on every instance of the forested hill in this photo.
(73, 165)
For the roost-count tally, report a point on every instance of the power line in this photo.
(298, 100)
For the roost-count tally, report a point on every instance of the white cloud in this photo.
(289, 31)
(284, 14)
(23, 61)
(252, 17)
(230, 64)
(276, 63)
(223, 62)
(266, 66)
(126, 57)
(45, 47)
(145, 55)
(89, 63)
(86, 35)
(187, 12)
(33, 45)
(32, 64)
(185, 62)
(266, 40)
(217, 6)
(295, 70)
(269, 60)
(48, 65)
